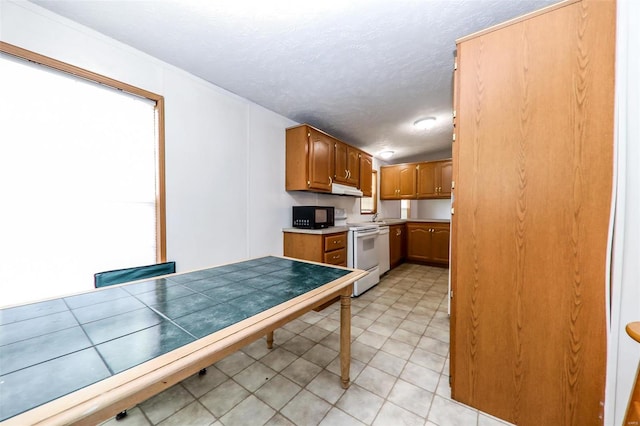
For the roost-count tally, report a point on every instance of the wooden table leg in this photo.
(345, 338)
(270, 340)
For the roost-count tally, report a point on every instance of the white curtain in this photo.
(77, 181)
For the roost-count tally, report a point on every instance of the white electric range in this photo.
(362, 251)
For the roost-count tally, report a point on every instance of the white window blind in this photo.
(77, 181)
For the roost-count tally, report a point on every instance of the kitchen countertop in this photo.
(382, 222)
(430, 220)
(401, 221)
(330, 230)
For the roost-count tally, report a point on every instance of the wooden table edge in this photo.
(102, 400)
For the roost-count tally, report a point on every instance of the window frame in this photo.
(374, 194)
(160, 204)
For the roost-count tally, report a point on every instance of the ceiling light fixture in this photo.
(386, 154)
(425, 123)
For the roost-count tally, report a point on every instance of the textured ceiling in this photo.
(361, 70)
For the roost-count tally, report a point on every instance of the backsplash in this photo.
(432, 209)
(420, 209)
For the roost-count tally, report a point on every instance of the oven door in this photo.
(365, 250)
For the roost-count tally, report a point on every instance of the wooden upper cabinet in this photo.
(398, 182)
(366, 170)
(407, 185)
(446, 178)
(434, 179)
(347, 164)
(314, 160)
(427, 186)
(321, 160)
(389, 183)
(309, 160)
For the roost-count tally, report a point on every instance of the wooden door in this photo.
(426, 176)
(347, 165)
(407, 181)
(419, 242)
(366, 170)
(444, 173)
(341, 170)
(353, 166)
(321, 160)
(389, 182)
(396, 244)
(533, 158)
(440, 236)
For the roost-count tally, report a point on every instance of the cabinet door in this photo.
(418, 242)
(396, 238)
(444, 173)
(321, 161)
(304, 246)
(341, 171)
(347, 165)
(407, 181)
(440, 243)
(353, 166)
(427, 186)
(366, 169)
(389, 182)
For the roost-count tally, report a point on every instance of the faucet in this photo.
(375, 217)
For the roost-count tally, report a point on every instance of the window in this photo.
(81, 179)
(405, 209)
(369, 205)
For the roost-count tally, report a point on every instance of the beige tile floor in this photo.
(399, 368)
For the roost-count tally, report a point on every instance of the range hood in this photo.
(339, 189)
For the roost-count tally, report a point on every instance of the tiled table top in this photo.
(53, 348)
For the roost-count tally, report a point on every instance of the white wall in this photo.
(624, 353)
(224, 155)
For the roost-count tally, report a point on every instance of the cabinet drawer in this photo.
(334, 242)
(336, 257)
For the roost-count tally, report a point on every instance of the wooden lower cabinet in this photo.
(428, 242)
(323, 248)
(397, 244)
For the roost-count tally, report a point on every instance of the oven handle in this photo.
(360, 234)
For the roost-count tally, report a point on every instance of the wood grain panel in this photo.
(533, 172)
(304, 246)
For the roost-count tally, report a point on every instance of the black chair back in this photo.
(119, 276)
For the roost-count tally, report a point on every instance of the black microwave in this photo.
(313, 217)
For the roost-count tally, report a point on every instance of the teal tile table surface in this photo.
(52, 348)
